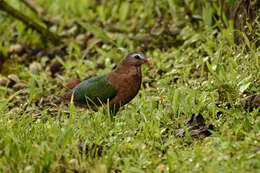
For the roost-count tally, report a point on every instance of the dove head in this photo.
(135, 59)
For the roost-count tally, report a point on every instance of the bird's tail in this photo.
(65, 98)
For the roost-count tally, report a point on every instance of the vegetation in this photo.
(199, 67)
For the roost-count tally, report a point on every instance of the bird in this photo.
(117, 87)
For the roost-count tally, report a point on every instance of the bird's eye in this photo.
(137, 56)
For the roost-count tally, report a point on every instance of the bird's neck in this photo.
(127, 69)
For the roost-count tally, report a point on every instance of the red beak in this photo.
(148, 62)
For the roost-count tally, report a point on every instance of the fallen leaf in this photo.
(55, 67)
(16, 49)
(196, 127)
(19, 86)
(251, 102)
(13, 80)
(35, 68)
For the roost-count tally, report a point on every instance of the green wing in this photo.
(97, 89)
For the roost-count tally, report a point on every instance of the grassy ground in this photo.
(198, 70)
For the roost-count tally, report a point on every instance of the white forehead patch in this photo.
(140, 54)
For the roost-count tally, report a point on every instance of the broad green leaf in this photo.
(243, 87)
(123, 11)
(230, 2)
(210, 67)
(101, 12)
(98, 32)
(244, 84)
(246, 40)
(212, 71)
(207, 14)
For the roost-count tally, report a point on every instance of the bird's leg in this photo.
(113, 109)
(114, 105)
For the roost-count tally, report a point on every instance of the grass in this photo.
(196, 70)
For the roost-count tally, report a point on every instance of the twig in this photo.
(29, 22)
(43, 15)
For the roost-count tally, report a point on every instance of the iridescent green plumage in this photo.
(97, 90)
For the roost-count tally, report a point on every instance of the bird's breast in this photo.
(127, 84)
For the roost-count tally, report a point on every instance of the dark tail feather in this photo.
(54, 103)
(65, 98)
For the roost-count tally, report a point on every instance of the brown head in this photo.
(135, 59)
